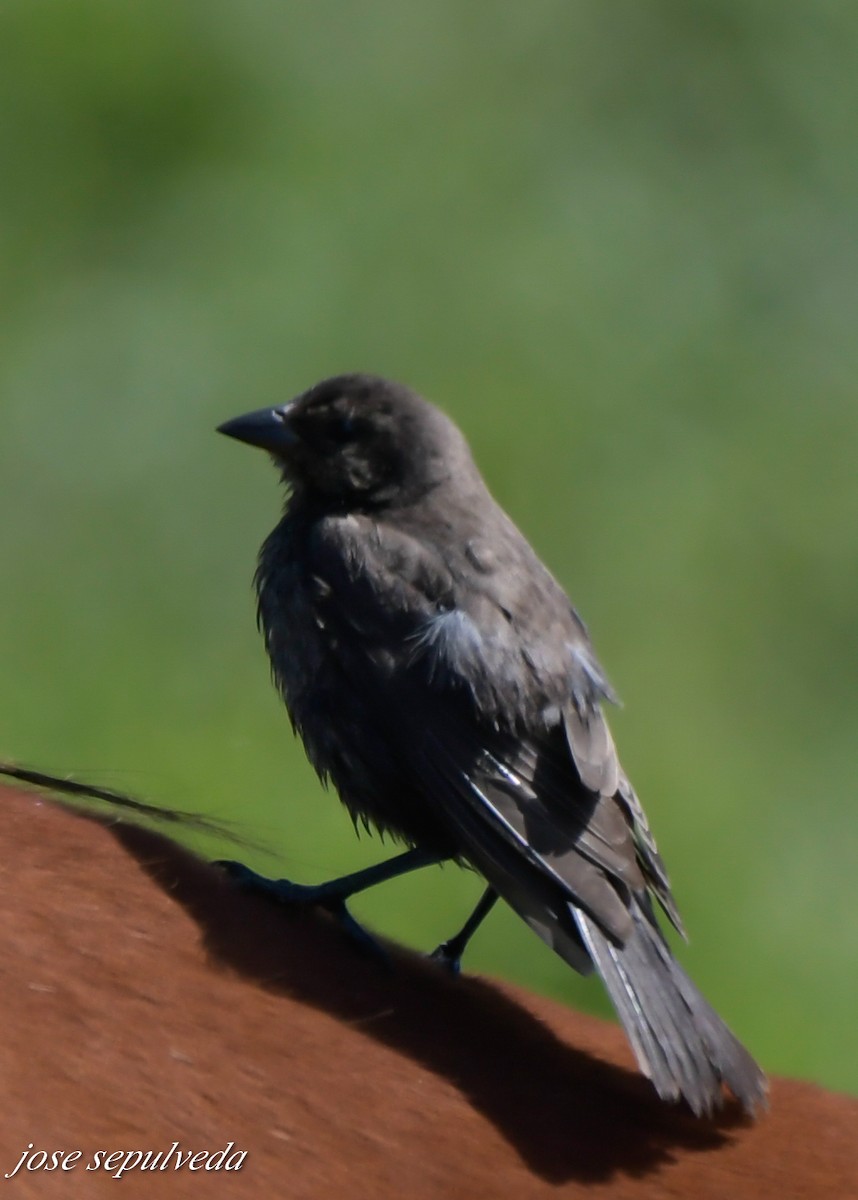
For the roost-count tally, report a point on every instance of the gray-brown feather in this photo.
(441, 680)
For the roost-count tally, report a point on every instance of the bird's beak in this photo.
(267, 428)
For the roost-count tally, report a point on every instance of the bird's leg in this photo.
(325, 895)
(449, 953)
(333, 894)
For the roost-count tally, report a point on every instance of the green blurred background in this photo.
(618, 244)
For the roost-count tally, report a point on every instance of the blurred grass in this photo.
(618, 245)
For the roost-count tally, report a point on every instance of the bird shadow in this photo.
(566, 1112)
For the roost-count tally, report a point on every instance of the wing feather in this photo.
(504, 714)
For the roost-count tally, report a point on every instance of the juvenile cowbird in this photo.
(441, 680)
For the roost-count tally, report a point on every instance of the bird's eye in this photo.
(342, 428)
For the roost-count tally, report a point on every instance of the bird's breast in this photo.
(336, 686)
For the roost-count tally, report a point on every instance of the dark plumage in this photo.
(440, 678)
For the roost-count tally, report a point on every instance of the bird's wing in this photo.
(497, 700)
(530, 786)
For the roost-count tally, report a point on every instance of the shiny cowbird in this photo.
(441, 680)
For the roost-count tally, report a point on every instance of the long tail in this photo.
(680, 1042)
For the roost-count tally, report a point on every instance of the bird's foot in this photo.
(302, 895)
(449, 953)
(448, 956)
(282, 890)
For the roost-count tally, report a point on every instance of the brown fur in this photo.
(145, 1001)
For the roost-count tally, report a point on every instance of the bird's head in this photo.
(356, 440)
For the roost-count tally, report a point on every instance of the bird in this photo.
(441, 680)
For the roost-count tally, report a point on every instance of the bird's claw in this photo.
(302, 895)
(447, 957)
(238, 872)
(282, 890)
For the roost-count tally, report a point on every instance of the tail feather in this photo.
(647, 1011)
(680, 1042)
